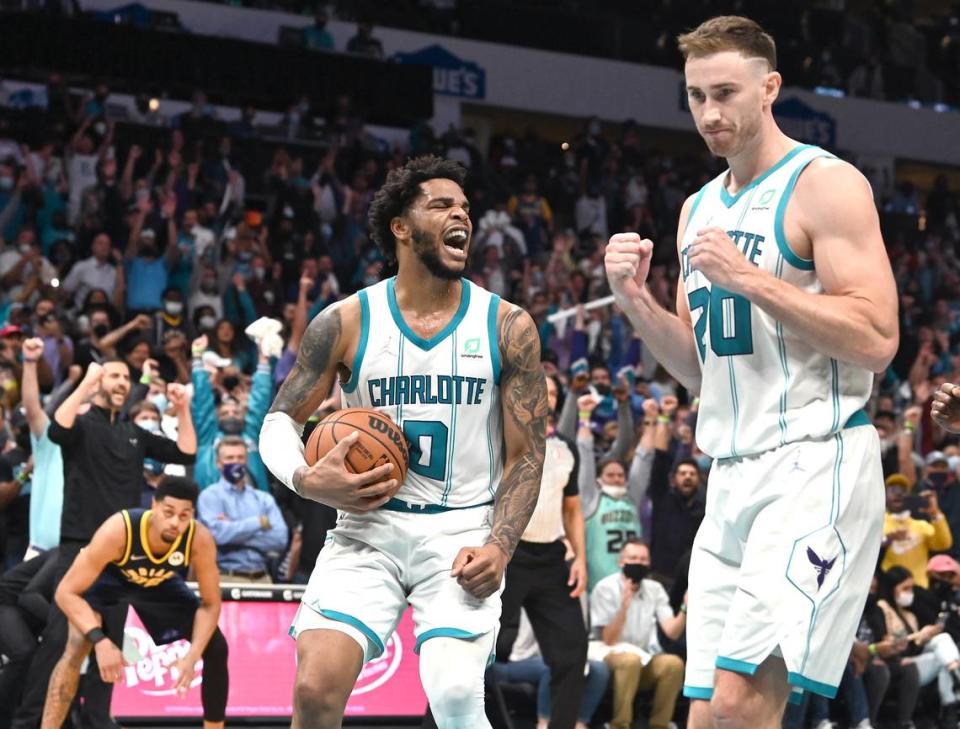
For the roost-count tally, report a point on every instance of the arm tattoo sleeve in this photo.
(524, 395)
(302, 391)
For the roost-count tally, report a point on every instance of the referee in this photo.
(539, 580)
(103, 456)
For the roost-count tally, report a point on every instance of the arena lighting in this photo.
(153, 104)
(565, 146)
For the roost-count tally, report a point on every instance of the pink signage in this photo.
(262, 667)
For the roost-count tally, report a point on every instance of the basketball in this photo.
(381, 441)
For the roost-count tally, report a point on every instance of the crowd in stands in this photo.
(891, 50)
(157, 254)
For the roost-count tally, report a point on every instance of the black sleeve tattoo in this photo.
(311, 378)
(524, 393)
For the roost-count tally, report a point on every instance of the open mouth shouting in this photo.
(455, 240)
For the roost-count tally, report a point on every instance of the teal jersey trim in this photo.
(804, 264)
(354, 380)
(359, 625)
(730, 200)
(835, 372)
(443, 633)
(782, 351)
(795, 698)
(399, 418)
(736, 409)
(698, 692)
(808, 684)
(732, 664)
(696, 203)
(858, 419)
(409, 508)
(492, 334)
(427, 344)
(452, 443)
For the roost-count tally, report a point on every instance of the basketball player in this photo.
(786, 306)
(459, 370)
(140, 557)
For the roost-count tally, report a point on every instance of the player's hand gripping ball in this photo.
(381, 441)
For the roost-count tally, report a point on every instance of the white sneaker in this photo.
(826, 724)
(865, 724)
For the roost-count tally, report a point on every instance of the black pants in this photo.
(537, 582)
(97, 694)
(18, 642)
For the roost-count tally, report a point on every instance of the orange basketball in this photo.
(381, 441)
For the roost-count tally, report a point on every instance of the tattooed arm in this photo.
(523, 397)
(328, 342)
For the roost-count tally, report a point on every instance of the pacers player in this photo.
(786, 306)
(459, 371)
(140, 557)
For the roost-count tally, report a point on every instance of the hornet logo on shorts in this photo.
(822, 566)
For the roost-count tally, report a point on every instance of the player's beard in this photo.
(426, 250)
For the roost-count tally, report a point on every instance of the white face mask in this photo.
(905, 599)
(614, 492)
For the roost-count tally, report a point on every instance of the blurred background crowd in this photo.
(161, 238)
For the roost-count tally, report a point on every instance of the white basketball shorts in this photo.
(783, 561)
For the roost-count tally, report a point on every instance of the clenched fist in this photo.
(627, 261)
(717, 257)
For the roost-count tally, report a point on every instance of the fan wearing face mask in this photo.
(231, 417)
(908, 541)
(146, 414)
(246, 523)
(940, 477)
(626, 608)
(929, 648)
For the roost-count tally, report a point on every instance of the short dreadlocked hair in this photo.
(401, 188)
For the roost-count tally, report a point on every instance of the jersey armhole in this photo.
(351, 384)
(492, 310)
(129, 530)
(803, 264)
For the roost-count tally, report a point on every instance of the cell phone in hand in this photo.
(914, 502)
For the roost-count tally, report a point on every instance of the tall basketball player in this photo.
(459, 370)
(786, 304)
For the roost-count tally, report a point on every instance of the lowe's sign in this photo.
(452, 76)
(804, 123)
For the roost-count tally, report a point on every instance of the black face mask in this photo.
(230, 382)
(636, 572)
(602, 390)
(101, 330)
(230, 426)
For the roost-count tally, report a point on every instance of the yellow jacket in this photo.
(923, 537)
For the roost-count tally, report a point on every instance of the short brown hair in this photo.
(231, 440)
(729, 33)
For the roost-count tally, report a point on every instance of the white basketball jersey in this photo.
(762, 385)
(443, 391)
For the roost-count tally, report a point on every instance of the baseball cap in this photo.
(10, 330)
(935, 457)
(943, 563)
(898, 479)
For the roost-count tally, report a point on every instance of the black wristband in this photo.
(95, 635)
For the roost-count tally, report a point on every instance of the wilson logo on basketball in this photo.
(381, 427)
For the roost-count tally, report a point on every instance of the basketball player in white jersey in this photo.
(786, 305)
(459, 371)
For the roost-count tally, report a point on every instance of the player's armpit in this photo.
(312, 376)
(523, 393)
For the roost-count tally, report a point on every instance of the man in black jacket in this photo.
(103, 456)
(678, 505)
